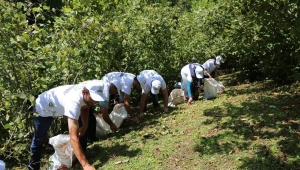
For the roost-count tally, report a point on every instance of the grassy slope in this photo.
(249, 126)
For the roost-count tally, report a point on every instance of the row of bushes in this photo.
(47, 44)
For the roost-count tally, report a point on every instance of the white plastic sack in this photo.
(176, 97)
(117, 116)
(63, 154)
(220, 87)
(211, 88)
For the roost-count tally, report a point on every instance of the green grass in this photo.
(249, 126)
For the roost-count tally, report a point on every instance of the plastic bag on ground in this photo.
(176, 97)
(212, 88)
(63, 154)
(117, 116)
(220, 87)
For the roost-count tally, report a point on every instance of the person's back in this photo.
(123, 81)
(72, 101)
(209, 65)
(148, 73)
(54, 101)
(187, 71)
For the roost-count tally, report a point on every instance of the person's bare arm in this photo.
(165, 94)
(107, 119)
(207, 73)
(142, 102)
(74, 139)
(128, 108)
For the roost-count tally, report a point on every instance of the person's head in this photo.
(199, 72)
(155, 86)
(113, 89)
(93, 92)
(218, 61)
(136, 82)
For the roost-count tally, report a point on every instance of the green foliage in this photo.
(51, 43)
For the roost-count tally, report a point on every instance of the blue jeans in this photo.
(41, 127)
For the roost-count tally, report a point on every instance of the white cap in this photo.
(199, 72)
(142, 80)
(218, 59)
(156, 84)
(96, 88)
(2, 165)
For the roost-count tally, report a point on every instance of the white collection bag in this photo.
(176, 97)
(63, 154)
(117, 116)
(212, 88)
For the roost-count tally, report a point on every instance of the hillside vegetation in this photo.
(249, 126)
(44, 44)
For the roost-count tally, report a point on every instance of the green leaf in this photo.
(20, 125)
(99, 45)
(35, 9)
(46, 7)
(66, 10)
(20, 135)
(17, 120)
(53, 68)
(22, 96)
(8, 126)
(13, 41)
(31, 98)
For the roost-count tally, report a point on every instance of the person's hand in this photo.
(136, 120)
(113, 127)
(166, 109)
(88, 167)
(120, 105)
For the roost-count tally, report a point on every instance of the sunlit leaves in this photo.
(66, 10)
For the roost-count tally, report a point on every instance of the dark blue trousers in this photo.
(41, 127)
(154, 101)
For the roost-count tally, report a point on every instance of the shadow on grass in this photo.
(258, 125)
(100, 155)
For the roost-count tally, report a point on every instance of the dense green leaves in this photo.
(53, 43)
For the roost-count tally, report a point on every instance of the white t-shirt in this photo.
(148, 73)
(125, 80)
(63, 100)
(105, 92)
(186, 73)
(148, 85)
(209, 65)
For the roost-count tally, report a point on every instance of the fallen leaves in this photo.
(120, 162)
